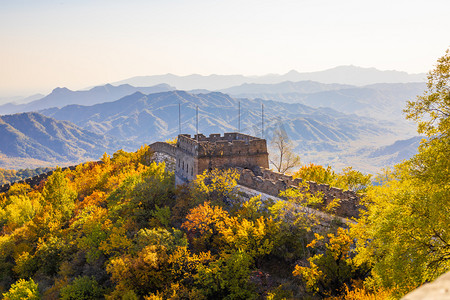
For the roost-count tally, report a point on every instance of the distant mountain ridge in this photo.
(143, 118)
(61, 97)
(328, 118)
(382, 100)
(303, 87)
(320, 135)
(38, 137)
(349, 75)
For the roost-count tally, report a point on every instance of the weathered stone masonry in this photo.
(199, 153)
(249, 155)
(272, 183)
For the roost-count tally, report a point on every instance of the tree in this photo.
(316, 173)
(216, 186)
(23, 289)
(404, 232)
(354, 180)
(204, 224)
(285, 159)
(329, 270)
(82, 287)
(227, 278)
(432, 110)
(59, 194)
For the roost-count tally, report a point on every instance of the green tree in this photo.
(23, 289)
(60, 194)
(332, 268)
(227, 278)
(216, 186)
(82, 287)
(404, 233)
(350, 179)
(431, 111)
(316, 173)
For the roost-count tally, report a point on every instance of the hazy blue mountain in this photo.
(189, 82)
(38, 137)
(354, 75)
(60, 97)
(320, 135)
(400, 150)
(20, 99)
(301, 87)
(383, 100)
(349, 75)
(140, 118)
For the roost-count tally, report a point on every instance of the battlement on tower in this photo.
(199, 152)
(216, 145)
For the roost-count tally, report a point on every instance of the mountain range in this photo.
(383, 100)
(332, 123)
(60, 97)
(321, 135)
(32, 140)
(350, 75)
(140, 118)
(76, 132)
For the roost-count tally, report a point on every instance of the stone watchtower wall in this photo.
(198, 153)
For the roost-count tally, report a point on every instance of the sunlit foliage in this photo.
(120, 229)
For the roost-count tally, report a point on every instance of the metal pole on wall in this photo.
(197, 122)
(239, 119)
(179, 118)
(262, 121)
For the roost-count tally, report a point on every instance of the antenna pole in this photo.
(179, 118)
(197, 122)
(262, 121)
(239, 119)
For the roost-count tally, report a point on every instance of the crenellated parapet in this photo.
(199, 152)
(272, 183)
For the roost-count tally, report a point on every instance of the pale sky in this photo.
(46, 44)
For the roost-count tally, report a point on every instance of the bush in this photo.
(82, 287)
(23, 289)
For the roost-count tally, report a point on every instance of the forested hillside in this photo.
(120, 229)
(8, 176)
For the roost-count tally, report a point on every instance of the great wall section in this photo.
(236, 150)
(248, 151)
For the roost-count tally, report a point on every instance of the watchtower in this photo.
(198, 153)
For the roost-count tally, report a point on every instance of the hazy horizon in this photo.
(48, 44)
(21, 98)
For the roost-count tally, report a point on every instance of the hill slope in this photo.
(30, 139)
